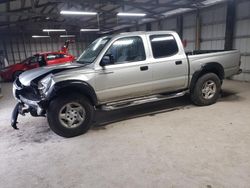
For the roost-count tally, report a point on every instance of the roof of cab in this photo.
(147, 32)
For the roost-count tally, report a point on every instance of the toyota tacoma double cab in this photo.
(118, 71)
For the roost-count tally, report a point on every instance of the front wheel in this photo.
(70, 116)
(206, 90)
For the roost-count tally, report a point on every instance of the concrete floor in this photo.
(165, 144)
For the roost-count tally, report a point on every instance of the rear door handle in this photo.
(144, 68)
(178, 62)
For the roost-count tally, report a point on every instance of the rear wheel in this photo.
(206, 90)
(70, 116)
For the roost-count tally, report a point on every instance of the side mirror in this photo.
(106, 60)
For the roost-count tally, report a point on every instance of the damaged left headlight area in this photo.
(44, 85)
(31, 99)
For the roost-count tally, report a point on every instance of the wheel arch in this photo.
(211, 67)
(76, 86)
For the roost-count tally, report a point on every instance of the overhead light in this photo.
(131, 14)
(40, 36)
(177, 11)
(211, 2)
(89, 30)
(54, 30)
(67, 12)
(65, 36)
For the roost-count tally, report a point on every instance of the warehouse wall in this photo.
(213, 27)
(18, 48)
(212, 35)
(212, 31)
(242, 38)
(189, 30)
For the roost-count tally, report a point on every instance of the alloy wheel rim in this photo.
(208, 89)
(72, 115)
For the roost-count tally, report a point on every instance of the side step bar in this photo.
(138, 101)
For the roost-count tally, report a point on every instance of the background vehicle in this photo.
(119, 71)
(41, 59)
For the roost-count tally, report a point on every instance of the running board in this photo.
(138, 101)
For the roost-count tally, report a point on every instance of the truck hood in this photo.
(38, 73)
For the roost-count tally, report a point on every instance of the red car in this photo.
(38, 60)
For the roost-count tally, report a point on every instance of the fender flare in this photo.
(212, 67)
(75, 85)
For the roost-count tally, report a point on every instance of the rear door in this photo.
(129, 76)
(169, 64)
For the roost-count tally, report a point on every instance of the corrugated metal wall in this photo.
(169, 24)
(189, 30)
(213, 25)
(242, 38)
(18, 48)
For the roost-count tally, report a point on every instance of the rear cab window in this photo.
(163, 45)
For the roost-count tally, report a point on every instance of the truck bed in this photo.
(196, 52)
(229, 59)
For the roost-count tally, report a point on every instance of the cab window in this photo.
(128, 49)
(163, 45)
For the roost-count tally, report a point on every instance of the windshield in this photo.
(93, 50)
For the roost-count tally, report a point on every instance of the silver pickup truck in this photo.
(119, 71)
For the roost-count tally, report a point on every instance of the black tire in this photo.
(196, 94)
(16, 74)
(54, 110)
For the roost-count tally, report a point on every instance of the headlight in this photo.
(45, 84)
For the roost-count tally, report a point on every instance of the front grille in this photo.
(27, 92)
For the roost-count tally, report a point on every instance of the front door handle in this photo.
(144, 68)
(178, 62)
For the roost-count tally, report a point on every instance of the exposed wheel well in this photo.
(213, 67)
(69, 90)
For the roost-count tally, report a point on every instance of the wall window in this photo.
(129, 49)
(163, 45)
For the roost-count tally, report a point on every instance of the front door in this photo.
(129, 76)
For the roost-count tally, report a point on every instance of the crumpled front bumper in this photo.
(34, 106)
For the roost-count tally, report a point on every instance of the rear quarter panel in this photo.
(230, 60)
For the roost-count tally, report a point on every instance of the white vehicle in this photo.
(119, 71)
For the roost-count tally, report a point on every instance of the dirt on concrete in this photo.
(165, 144)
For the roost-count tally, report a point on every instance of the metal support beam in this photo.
(180, 25)
(148, 27)
(230, 23)
(18, 49)
(160, 25)
(198, 30)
